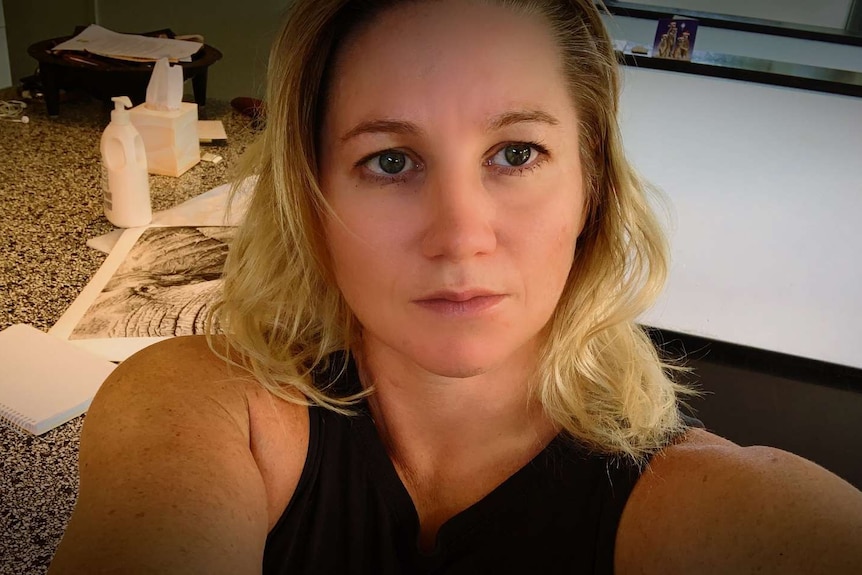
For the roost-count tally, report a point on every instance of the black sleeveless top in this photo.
(351, 514)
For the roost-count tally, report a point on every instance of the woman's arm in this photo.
(710, 506)
(169, 482)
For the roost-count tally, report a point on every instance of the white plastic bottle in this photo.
(125, 182)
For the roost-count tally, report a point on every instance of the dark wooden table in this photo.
(104, 78)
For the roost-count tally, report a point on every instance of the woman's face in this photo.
(449, 153)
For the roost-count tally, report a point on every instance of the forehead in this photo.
(450, 62)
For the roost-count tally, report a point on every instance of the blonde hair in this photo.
(599, 376)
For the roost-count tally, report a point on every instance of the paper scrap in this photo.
(207, 209)
(210, 131)
(98, 40)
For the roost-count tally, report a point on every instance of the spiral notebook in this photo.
(45, 381)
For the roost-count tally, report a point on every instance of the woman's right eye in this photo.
(389, 163)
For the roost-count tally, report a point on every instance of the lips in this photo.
(469, 302)
(458, 295)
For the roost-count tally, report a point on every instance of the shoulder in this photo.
(707, 505)
(181, 366)
(176, 464)
(185, 370)
(182, 382)
(177, 383)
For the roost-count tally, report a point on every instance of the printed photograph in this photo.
(164, 287)
(674, 38)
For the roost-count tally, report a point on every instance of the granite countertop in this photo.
(50, 205)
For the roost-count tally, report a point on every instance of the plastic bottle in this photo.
(125, 182)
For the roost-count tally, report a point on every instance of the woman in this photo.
(442, 194)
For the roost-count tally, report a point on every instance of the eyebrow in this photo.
(409, 128)
(518, 117)
(383, 127)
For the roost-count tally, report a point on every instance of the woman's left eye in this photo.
(516, 155)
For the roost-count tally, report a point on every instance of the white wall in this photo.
(5, 69)
(827, 13)
(766, 185)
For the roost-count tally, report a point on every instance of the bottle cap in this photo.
(119, 114)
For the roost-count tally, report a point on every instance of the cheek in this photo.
(366, 216)
(352, 272)
(365, 233)
(364, 254)
(338, 243)
(553, 253)
(554, 217)
(562, 252)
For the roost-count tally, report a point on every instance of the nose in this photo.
(460, 218)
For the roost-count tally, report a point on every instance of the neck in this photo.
(432, 424)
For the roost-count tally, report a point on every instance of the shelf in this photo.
(755, 70)
(739, 23)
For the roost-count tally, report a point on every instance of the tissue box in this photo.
(170, 138)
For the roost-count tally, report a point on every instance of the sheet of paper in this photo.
(207, 209)
(104, 42)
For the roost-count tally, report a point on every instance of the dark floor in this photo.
(756, 398)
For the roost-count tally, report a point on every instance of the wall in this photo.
(766, 186)
(241, 31)
(5, 70)
(29, 22)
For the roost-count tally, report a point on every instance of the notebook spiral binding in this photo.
(16, 418)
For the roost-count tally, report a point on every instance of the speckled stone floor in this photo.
(50, 205)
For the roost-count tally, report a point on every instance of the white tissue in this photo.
(165, 90)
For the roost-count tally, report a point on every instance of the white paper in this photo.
(97, 40)
(207, 209)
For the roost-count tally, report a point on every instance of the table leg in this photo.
(199, 87)
(48, 75)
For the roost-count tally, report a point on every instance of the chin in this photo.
(454, 370)
(465, 359)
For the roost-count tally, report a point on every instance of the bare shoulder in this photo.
(182, 384)
(176, 466)
(707, 505)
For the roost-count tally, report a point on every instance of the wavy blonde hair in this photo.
(599, 376)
